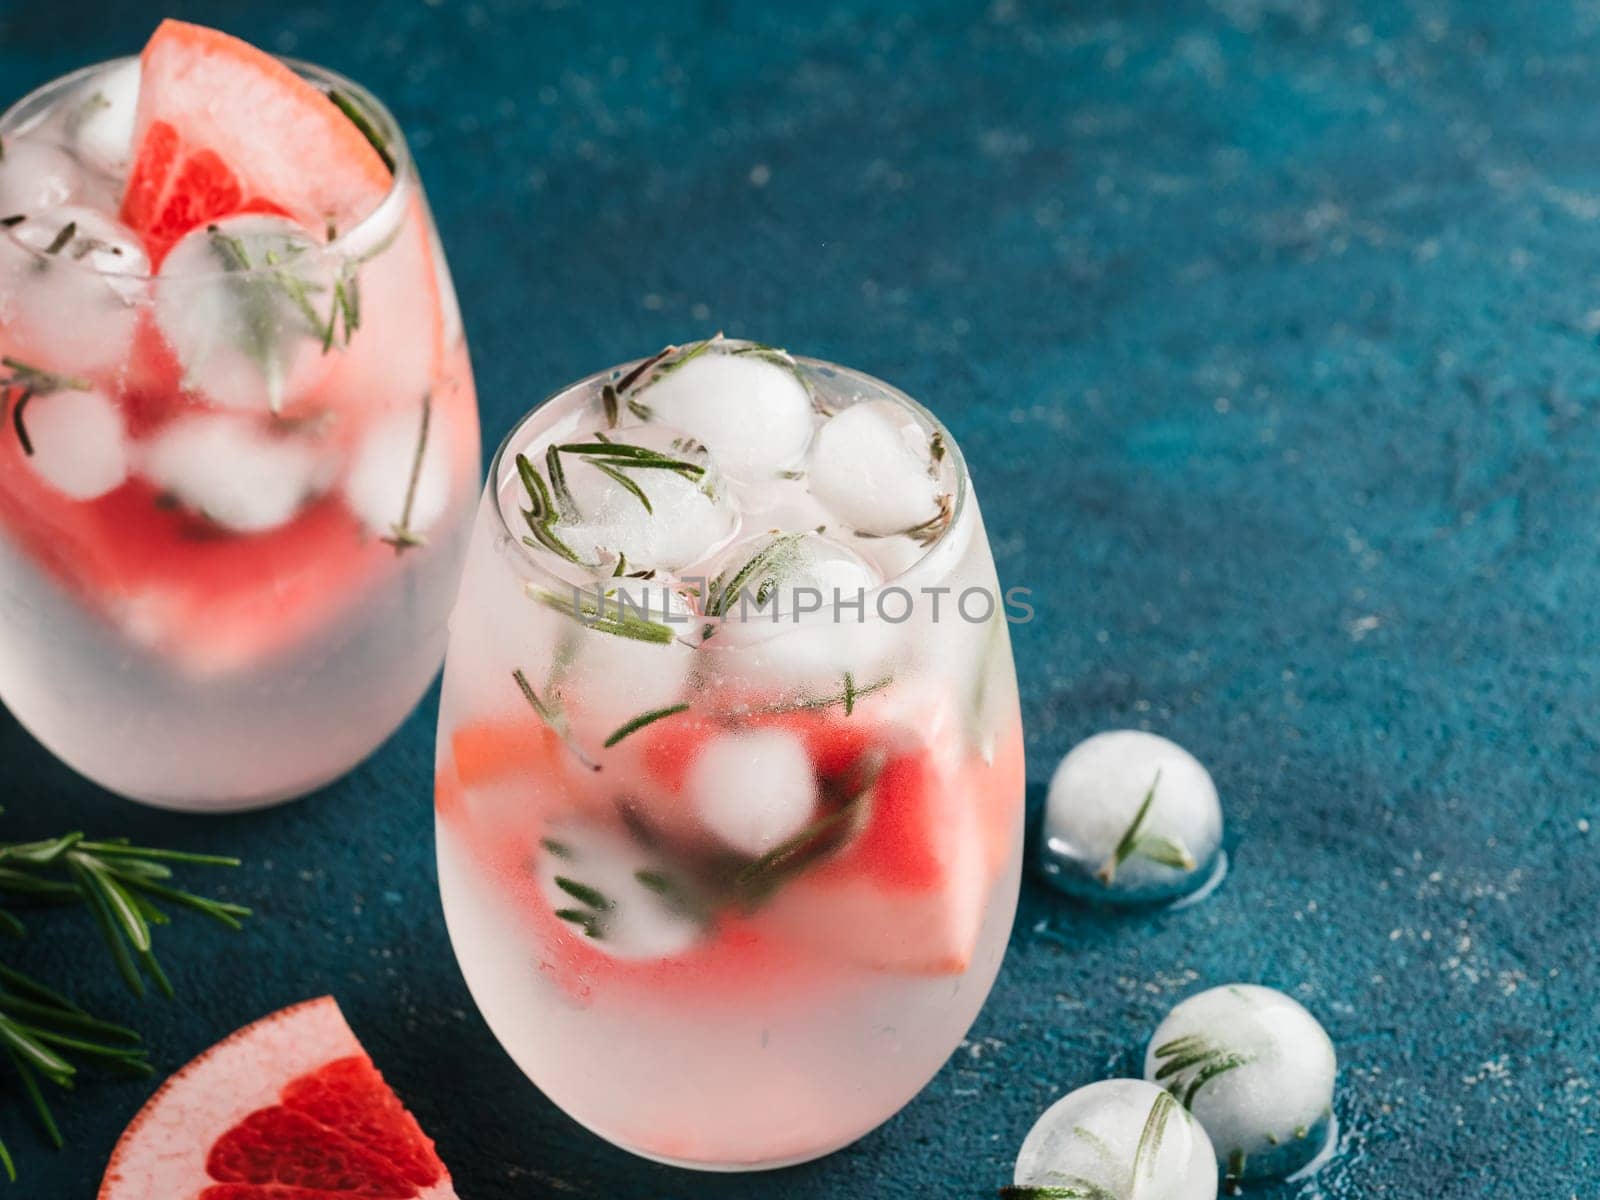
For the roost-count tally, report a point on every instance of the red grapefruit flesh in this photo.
(225, 128)
(290, 1108)
(906, 893)
(212, 601)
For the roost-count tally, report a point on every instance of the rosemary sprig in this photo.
(929, 531)
(42, 1033)
(541, 513)
(628, 728)
(258, 295)
(584, 894)
(760, 878)
(1190, 1063)
(552, 714)
(678, 899)
(344, 309)
(363, 123)
(566, 507)
(63, 239)
(684, 358)
(662, 363)
(779, 357)
(596, 904)
(551, 503)
(401, 536)
(1072, 1189)
(121, 885)
(1150, 1138)
(762, 569)
(592, 612)
(848, 698)
(633, 376)
(613, 459)
(270, 281)
(621, 454)
(24, 383)
(46, 1037)
(1164, 850)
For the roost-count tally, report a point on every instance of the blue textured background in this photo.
(1269, 330)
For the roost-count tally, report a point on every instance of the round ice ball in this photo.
(35, 175)
(753, 413)
(873, 465)
(624, 899)
(70, 302)
(792, 619)
(1121, 1138)
(1256, 1069)
(754, 790)
(1131, 818)
(651, 494)
(79, 444)
(99, 122)
(232, 471)
(245, 303)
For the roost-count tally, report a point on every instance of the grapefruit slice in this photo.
(225, 128)
(289, 1108)
(906, 892)
(213, 603)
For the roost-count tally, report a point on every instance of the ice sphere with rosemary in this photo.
(36, 174)
(1256, 1069)
(809, 587)
(787, 795)
(234, 299)
(97, 123)
(648, 498)
(877, 467)
(747, 402)
(1131, 818)
(84, 275)
(614, 892)
(1119, 1139)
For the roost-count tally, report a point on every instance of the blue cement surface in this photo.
(1269, 330)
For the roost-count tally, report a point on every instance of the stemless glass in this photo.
(235, 493)
(705, 1007)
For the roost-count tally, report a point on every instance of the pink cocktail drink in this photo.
(730, 766)
(240, 442)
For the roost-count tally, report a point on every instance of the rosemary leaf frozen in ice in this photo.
(643, 719)
(401, 536)
(549, 711)
(22, 384)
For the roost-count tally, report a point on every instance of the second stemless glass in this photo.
(229, 538)
(705, 1009)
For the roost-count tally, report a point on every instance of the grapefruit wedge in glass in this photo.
(289, 1108)
(238, 431)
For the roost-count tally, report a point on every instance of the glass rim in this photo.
(357, 242)
(543, 565)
